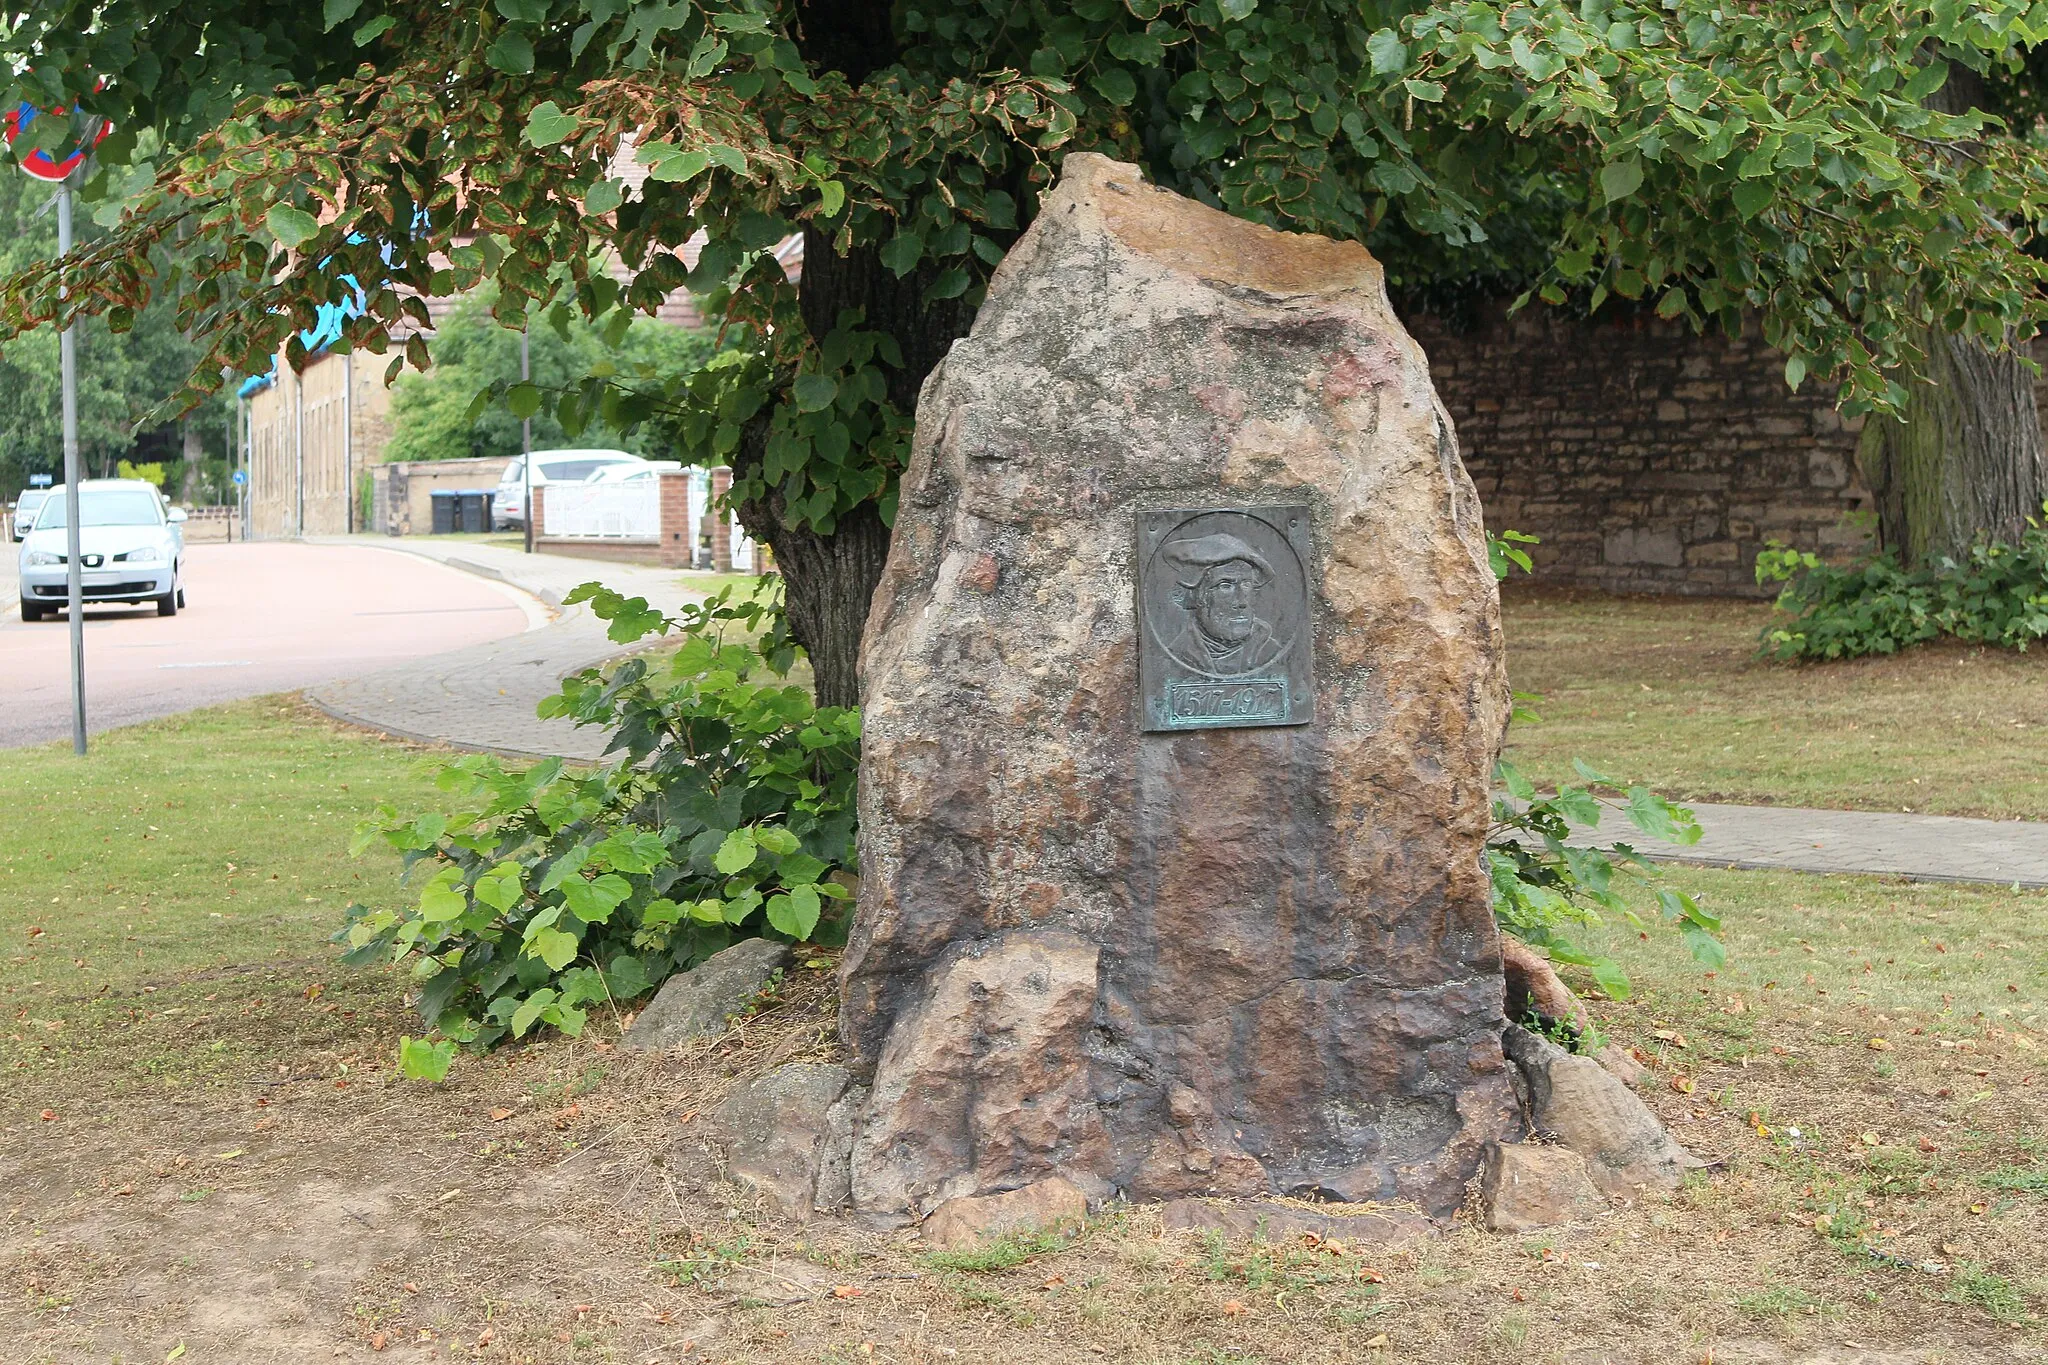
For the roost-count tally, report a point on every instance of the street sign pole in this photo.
(74, 583)
(526, 439)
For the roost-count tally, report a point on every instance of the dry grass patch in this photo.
(1669, 691)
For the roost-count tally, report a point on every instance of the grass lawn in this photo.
(205, 1146)
(1669, 691)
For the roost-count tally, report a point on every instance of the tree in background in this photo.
(124, 378)
(1778, 160)
(434, 415)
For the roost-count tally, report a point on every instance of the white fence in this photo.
(603, 511)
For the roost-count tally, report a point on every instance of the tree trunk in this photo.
(829, 579)
(194, 454)
(1965, 458)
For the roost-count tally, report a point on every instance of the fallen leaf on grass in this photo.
(487, 1336)
(1371, 1276)
(176, 1351)
(500, 1115)
(49, 1115)
(230, 1156)
(1682, 1084)
(847, 1291)
(378, 1341)
(1671, 1036)
(1378, 1343)
(1233, 1309)
(1878, 1045)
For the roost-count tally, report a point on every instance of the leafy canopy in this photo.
(1774, 158)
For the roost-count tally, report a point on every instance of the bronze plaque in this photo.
(1225, 634)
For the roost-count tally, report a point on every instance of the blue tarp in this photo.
(323, 334)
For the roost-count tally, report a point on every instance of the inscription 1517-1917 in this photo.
(1225, 636)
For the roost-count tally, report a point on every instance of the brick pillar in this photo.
(721, 520)
(678, 549)
(536, 515)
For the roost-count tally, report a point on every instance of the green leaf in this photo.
(1609, 976)
(1592, 774)
(333, 14)
(831, 198)
(512, 53)
(523, 11)
(1659, 819)
(1621, 179)
(556, 947)
(375, 29)
(776, 840)
(902, 252)
(1430, 91)
(627, 977)
(1707, 949)
(593, 901)
(814, 392)
(502, 886)
(1795, 371)
(603, 196)
(1387, 51)
(421, 1060)
(547, 125)
(1518, 785)
(530, 1010)
(795, 913)
(731, 158)
(523, 400)
(441, 899)
(737, 853)
(1752, 197)
(290, 226)
(1115, 85)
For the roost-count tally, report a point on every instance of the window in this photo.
(575, 471)
(105, 507)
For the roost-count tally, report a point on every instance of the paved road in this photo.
(483, 697)
(263, 617)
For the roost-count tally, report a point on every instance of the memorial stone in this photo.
(1182, 689)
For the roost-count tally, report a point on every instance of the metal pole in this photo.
(348, 438)
(299, 448)
(526, 439)
(74, 585)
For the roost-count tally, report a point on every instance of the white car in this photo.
(25, 506)
(633, 473)
(131, 549)
(508, 507)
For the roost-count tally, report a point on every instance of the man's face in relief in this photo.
(1226, 600)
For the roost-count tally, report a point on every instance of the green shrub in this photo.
(1550, 877)
(724, 808)
(1997, 594)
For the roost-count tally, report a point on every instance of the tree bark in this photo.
(1965, 458)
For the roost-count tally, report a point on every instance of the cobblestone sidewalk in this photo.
(484, 697)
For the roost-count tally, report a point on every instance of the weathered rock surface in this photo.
(1591, 1111)
(698, 1002)
(1230, 960)
(1044, 1205)
(777, 1132)
(1525, 1187)
(1264, 1220)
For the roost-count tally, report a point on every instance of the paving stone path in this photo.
(483, 698)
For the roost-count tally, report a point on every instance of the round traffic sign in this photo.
(70, 155)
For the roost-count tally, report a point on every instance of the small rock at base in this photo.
(1593, 1113)
(775, 1131)
(964, 1223)
(697, 1003)
(1525, 1187)
(1261, 1221)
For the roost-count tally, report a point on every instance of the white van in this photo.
(508, 507)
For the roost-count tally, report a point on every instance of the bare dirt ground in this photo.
(222, 1168)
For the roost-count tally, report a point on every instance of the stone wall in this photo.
(1646, 457)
